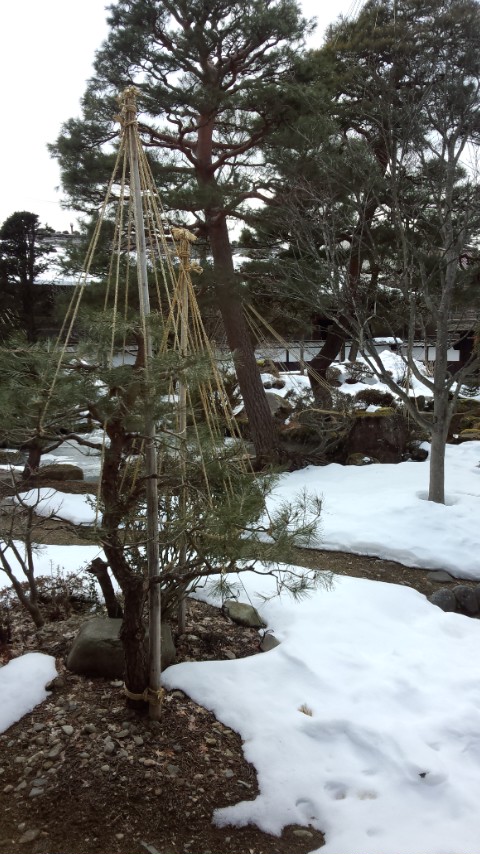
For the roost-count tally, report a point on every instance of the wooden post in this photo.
(155, 610)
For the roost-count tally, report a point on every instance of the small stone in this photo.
(21, 827)
(21, 786)
(173, 770)
(55, 751)
(243, 615)
(439, 576)
(138, 740)
(228, 773)
(55, 684)
(40, 781)
(67, 729)
(89, 728)
(109, 747)
(105, 768)
(35, 791)
(230, 655)
(123, 733)
(301, 833)
(38, 727)
(117, 683)
(269, 642)
(8, 789)
(32, 760)
(119, 836)
(29, 836)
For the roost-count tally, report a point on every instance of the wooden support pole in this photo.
(183, 239)
(155, 610)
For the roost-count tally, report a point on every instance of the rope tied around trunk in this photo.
(150, 695)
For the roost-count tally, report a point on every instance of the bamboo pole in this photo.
(183, 238)
(155, 637)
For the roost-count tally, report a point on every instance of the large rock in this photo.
(58, 471)
(472, 435)
(444, 599)
(243, 615)
(382, 434)
(97, 649)
(278, 405)
(466, 599)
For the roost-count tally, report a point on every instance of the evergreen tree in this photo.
(22, 260)
(214, 81)
(387, 206)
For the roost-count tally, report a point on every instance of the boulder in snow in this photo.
(444, 599)
(243, 615)
(97, 649)
(466, 599)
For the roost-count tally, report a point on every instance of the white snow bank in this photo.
(389, 760)
(382, 510)
(22, 685)
(52, 560)
(78, 509)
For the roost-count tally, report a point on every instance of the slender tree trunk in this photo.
(99, 568)
(353, 352)
(441, 413)
(319, 365)
(33, 460)
(436, 488)
(261, 424)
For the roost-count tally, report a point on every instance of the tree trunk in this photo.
(436, 488)
(353, 352)
(261, 424)
(132, 633)
(33, 460)
(321, 362)
(99, 568)
(133, 585)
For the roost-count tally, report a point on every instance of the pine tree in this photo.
(22, 260)
(214, 82)
(388, 206)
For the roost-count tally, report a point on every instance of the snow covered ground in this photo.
(365, 721)
(51, 503)
(22, 685)
(382, 510)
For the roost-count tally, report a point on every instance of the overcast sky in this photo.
(46, 57)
